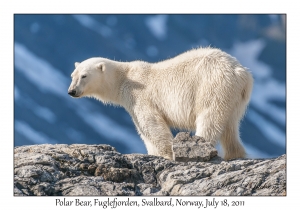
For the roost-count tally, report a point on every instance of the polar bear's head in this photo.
(88, 78)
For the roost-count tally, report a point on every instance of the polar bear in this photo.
(204, 90)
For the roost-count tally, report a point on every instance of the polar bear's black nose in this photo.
(72, 92)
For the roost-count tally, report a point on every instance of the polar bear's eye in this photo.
(83, 76)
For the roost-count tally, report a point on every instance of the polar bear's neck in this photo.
(115, 75)
(121, 77)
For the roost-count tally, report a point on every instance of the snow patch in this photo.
(264, 93)
(157, 24)
(268, 129)
(40, 111)
(265, 90)
(40, 72)
(92, 24)
(252, 152)
(247, 53)
(75, 135)
(44, 113)
(33, 135)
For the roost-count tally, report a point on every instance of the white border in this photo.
(112, 6)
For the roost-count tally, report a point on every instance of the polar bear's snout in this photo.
(72, 93)
(75, 89)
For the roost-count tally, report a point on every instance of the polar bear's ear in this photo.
(76, 64)
(100, 66)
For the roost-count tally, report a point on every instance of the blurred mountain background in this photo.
(46, 47)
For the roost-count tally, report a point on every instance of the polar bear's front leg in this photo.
(156, 135)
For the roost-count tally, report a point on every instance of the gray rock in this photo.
(192, 148)
(99, 170)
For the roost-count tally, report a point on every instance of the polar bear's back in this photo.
(198, 60)
(197, 70)
(191, 81)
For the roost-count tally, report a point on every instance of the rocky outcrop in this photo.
(192, 148)
(80, 169)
